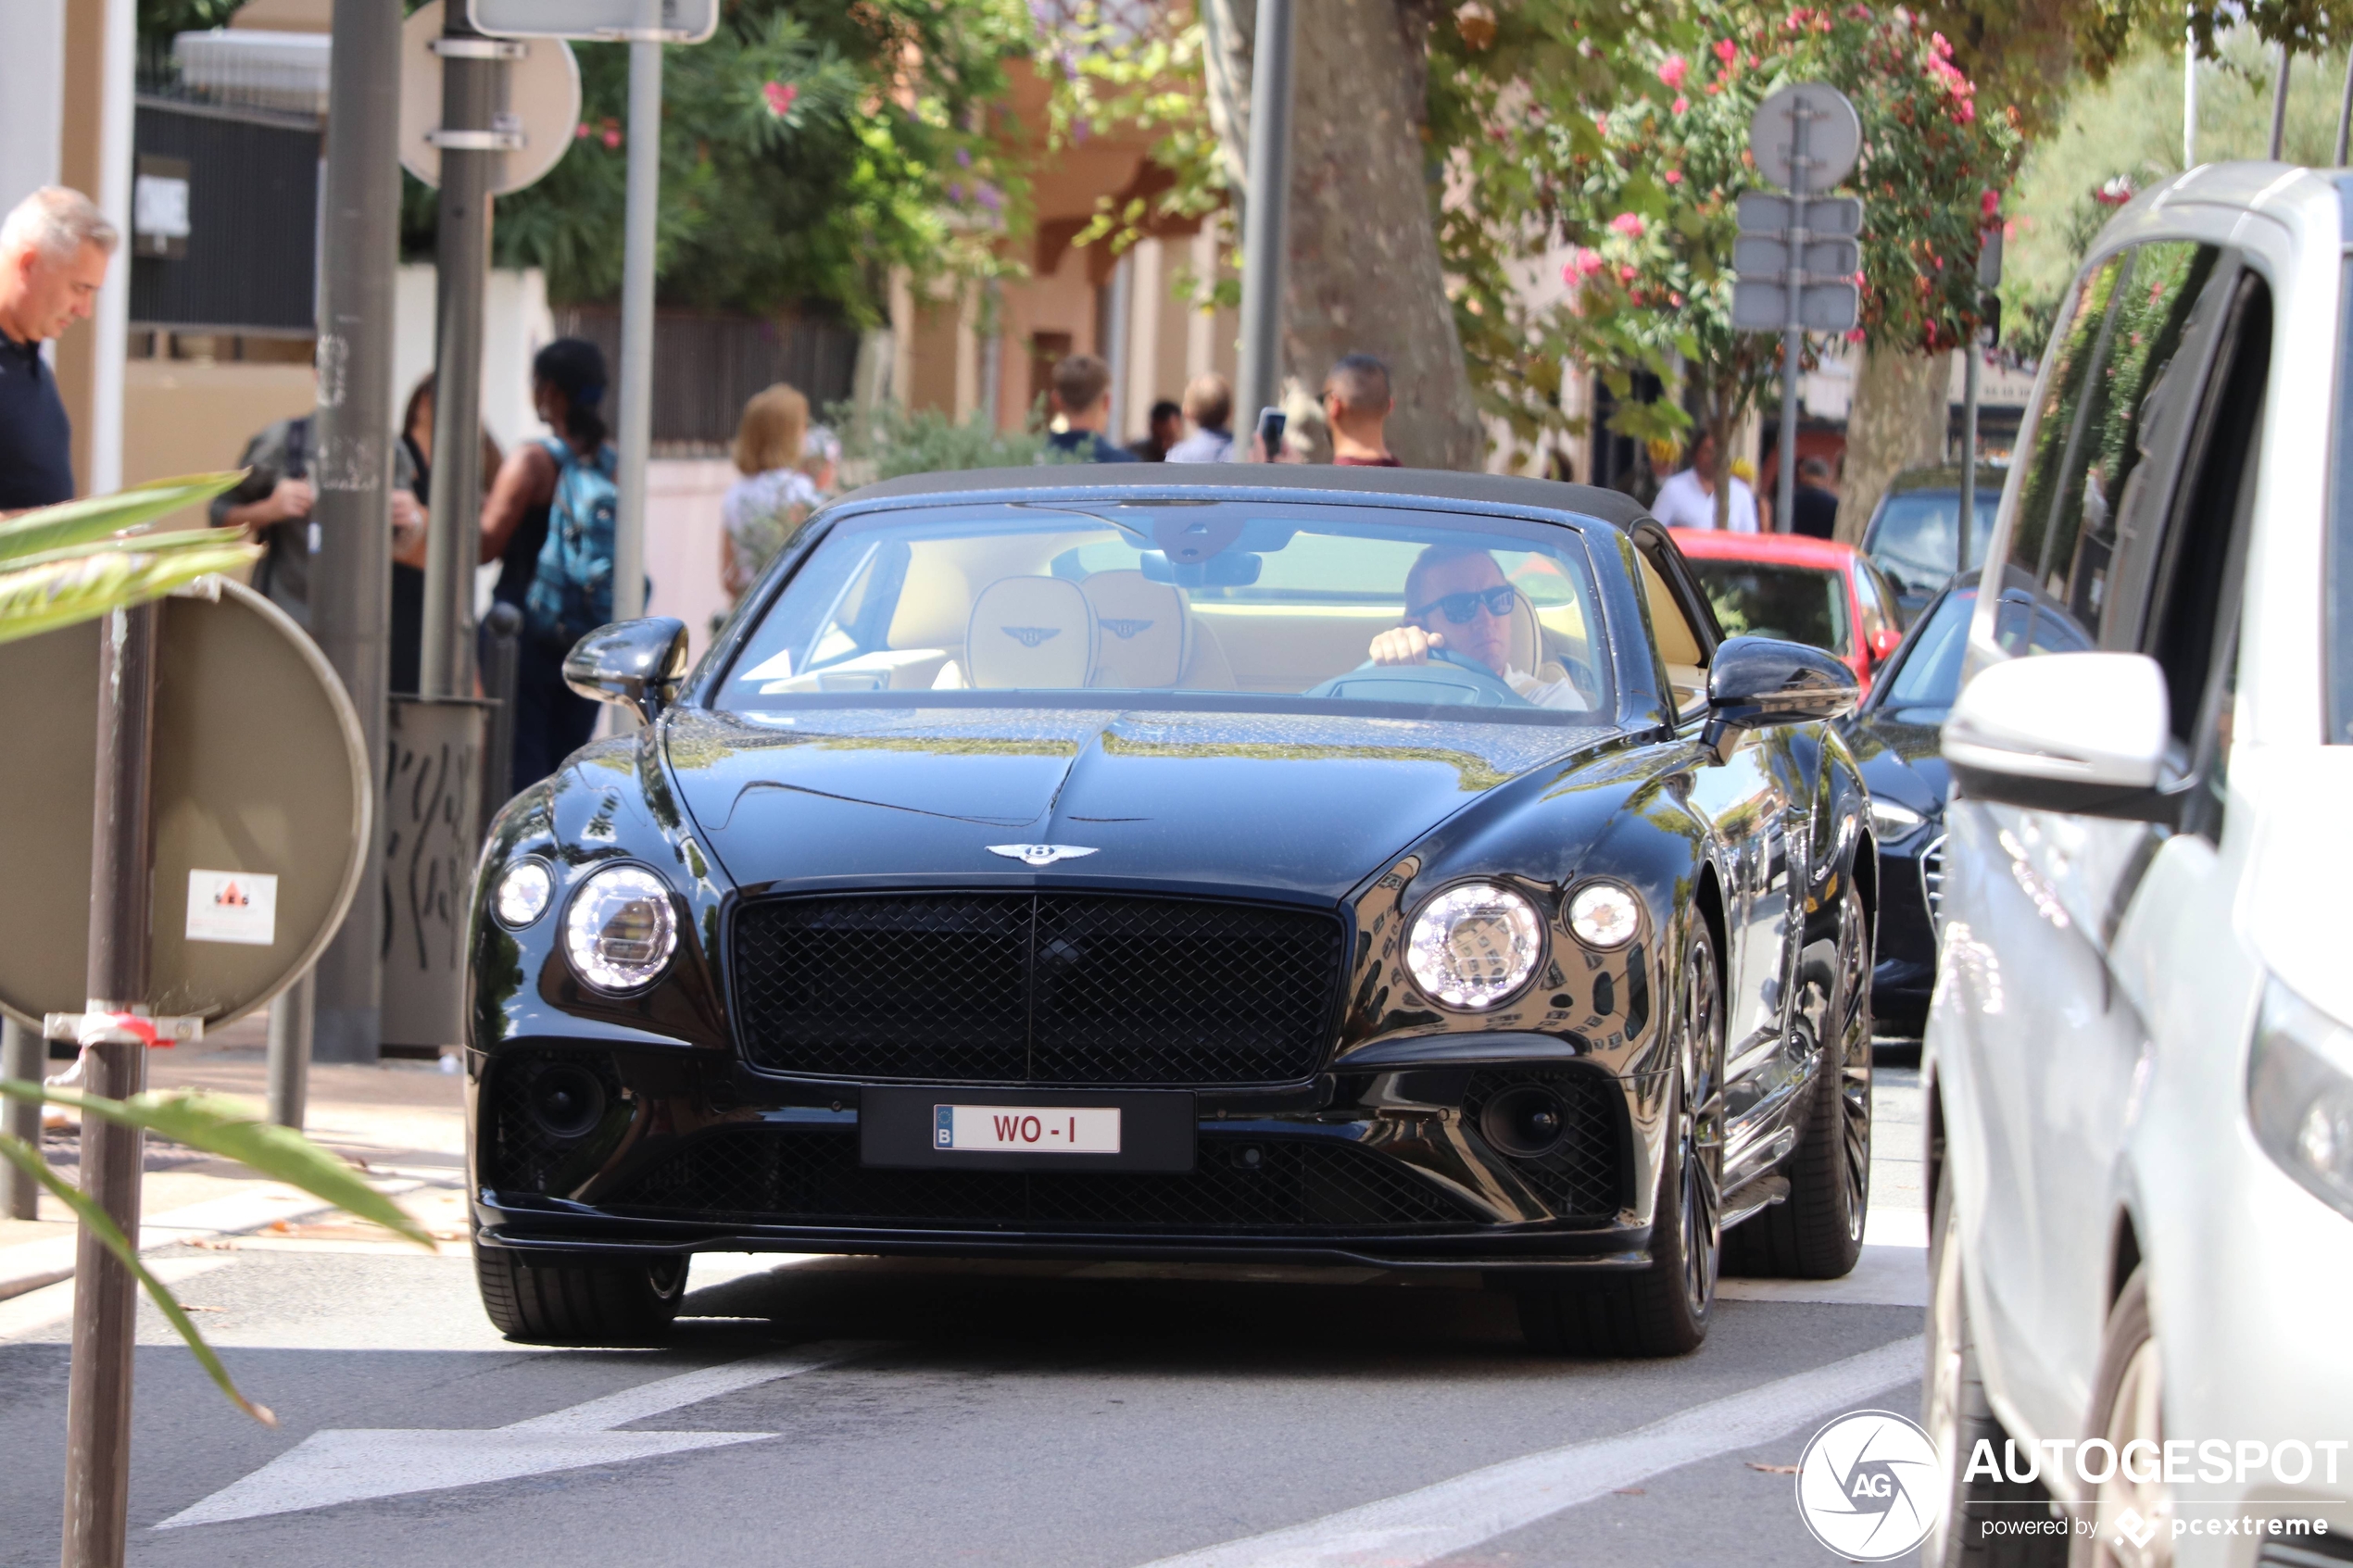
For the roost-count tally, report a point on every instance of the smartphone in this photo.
(1270, 431)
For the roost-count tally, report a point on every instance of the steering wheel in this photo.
(1448, 678)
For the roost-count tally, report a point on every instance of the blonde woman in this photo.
(765, 507)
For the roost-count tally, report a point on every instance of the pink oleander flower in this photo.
(1965, 111)
(1681, 102)
(780, 96)
(612, 137)
(581, 132)
(1674, 176)
(1625, 274)
(1727, 51)
(1989, 205)
(1854, 334)
(1582, 264)
(1628, 223)
(1941, 45)
(1676, 300)
(1671, 71)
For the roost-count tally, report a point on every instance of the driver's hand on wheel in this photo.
(1406, 644)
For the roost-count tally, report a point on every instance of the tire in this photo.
(1664, 1310)
(542, 1299)
(1816, 1232)
(2128, 1405)
(1958, 1417)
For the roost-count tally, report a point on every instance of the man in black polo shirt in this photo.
(53, 250)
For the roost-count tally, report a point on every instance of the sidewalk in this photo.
(403, 1121)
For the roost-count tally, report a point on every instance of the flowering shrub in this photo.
(1645, 197)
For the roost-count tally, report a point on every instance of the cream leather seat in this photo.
(1146, 631)
(1032, 632)
(1527, 645)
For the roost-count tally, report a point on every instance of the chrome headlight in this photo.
(1893, 820)
(2299, 1094)
(621, 929)
(1604, 915)
(523, 893)
(1475, 945)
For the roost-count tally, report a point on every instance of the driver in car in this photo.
(1457, 599)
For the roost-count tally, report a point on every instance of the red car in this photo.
(1806, 590)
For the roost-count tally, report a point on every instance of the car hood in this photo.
(1296, 805)
(1902, 758)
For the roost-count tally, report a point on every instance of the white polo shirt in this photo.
(1682, 504)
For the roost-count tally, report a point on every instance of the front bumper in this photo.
(1386, 1167)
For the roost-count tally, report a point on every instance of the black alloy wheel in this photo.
(1816, 1232)
(558, 1299)
(1664, 1310)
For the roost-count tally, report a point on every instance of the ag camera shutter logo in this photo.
(1869, 1485)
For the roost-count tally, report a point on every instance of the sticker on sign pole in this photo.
(233, 907)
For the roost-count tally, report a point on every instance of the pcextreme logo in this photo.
(1867, 1485)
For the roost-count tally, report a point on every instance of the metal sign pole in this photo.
(473, 147)
(1794, 332)
(24, 1056)
(1968, 519)
(1266, 212)
(105, 1303)
(638, 224)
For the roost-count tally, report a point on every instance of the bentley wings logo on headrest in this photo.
(1124, 630)
(1039, 854)
(1030, 636)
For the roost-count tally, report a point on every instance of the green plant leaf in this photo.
(95, 517)
(28, 1159)
(219, 1124)
(88, 584)
(131, 544)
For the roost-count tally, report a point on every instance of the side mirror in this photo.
(2084, 733)
(636, 662)
(1884, 641)
(1759, 681)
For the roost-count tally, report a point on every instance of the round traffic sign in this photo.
(262, 800)
(543, 102)
(1834, 136)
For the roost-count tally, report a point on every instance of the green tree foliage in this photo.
(806, 150)
(1645, 193)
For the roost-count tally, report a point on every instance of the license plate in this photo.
(1023, 1129)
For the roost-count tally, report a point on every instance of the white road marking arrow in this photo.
(347, 1465)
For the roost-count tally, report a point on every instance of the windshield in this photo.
(1795, 603)
(1913, 542)
(1221, 604)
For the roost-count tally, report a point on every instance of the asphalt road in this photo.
(868, 1413)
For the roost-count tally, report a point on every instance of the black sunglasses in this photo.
(1463, 609)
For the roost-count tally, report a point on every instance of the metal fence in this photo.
(229, 242)
(708, 366)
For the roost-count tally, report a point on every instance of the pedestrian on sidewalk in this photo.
(1688, 498)
(1814, 503)
(559, 487)
(1357, 403)
(410, 534)
(1167, 427)
(765, 508)
(1209, 404)
(1082, 399)
(54, 251)
(274, 502)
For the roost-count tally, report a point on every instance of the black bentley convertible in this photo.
(1225, 862)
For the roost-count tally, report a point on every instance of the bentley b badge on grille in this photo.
(1039, 854)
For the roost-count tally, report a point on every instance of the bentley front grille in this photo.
(1035, 988)
(784, 1177)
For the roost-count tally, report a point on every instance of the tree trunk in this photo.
(1897, 421)
(1363, 268)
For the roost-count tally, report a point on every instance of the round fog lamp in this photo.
(522, 893)
(1473, 945)
(620, 931)
(1605, 915)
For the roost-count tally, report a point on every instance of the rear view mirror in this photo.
(637, 663)
(2084, 732)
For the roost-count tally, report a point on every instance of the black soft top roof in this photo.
(1442, 484)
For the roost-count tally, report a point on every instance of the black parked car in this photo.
(1895, 736)
(1048, 863)
(1910, 537)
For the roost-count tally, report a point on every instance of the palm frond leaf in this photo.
(95, 517)
(83, 585)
